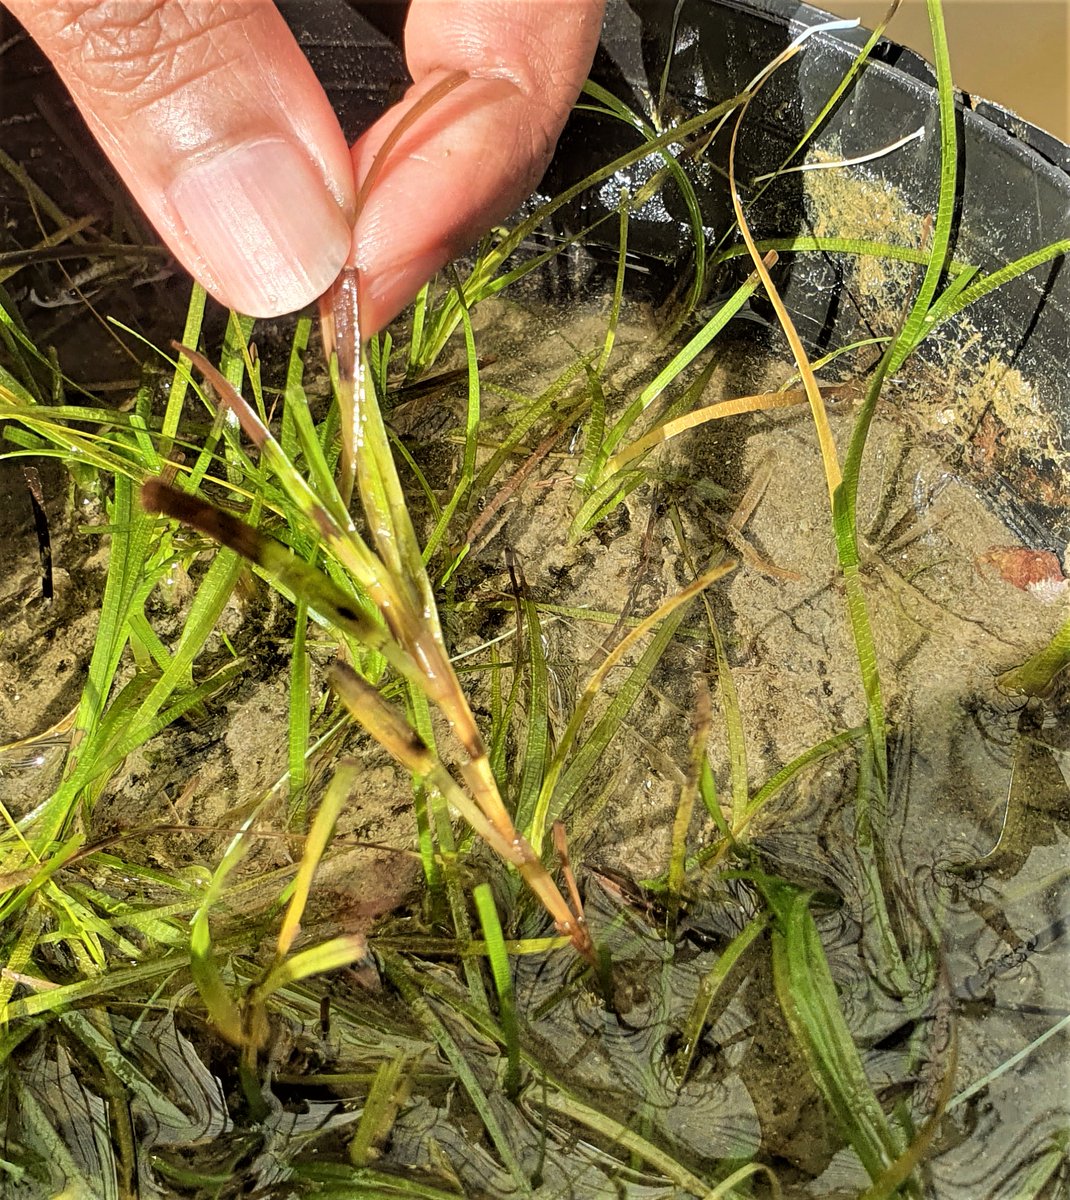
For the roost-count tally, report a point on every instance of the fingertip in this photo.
(384, 294)
(466, 163)
(439, 189)
(260, 221)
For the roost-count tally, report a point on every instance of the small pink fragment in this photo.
(1035, 571)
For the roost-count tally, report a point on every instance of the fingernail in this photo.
(260, 216)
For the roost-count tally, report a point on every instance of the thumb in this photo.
(215, 121)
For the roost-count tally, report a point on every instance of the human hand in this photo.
(218, 126)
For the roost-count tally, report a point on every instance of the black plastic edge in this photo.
(1045, 144)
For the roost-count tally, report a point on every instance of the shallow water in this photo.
(977, 776)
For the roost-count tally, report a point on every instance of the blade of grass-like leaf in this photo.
(672, 369)
(87, 926)
(562, 1103)
(156, 1101)
(536, 726)
(56, 999)
(148, 721)
(827, 445)
(299, 720)
(845, 528)
(471, 440)
(684, 185)
(948, 298)
(388, 516)
(1008, 1064)
(686, 805)
(296, 415)
(710, 984)
(124, 590)
(140, 419)
(1037, 1181)
(423, 800)
(24, 353)
(707, 789)
(612, 491)
(442, 863)
(726, 1187)
(872, 788)
(497, 717)
(293, 392)
(130, 585)
(980, 287)
(316, 960)
(481, 525)
(222, 1010)
(807, 995)
(1035, 675)
(815, 754)
(233, 360)
(402, 450)
(72, 412)
(840, 89)
(890, 1183)
(47, 819)
(726, 690)
(733, 717)
(914, 328)
(593, 749)
(22, 952)
(398, 737)
(550, 803)
(204, 613)
(434, 1027)
(502, 721)
(333, 1181)
(522, 425)
(477, 283)
(618, 293)
(319, 836)
(482, 283)
(385, 1096)
(416, 335)
(77, 448)
(856, 66)
(503, 984)
(405, 599)
(711, 412)
(191, 333)
(378, 350)
(145, 643)
(596, 428)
